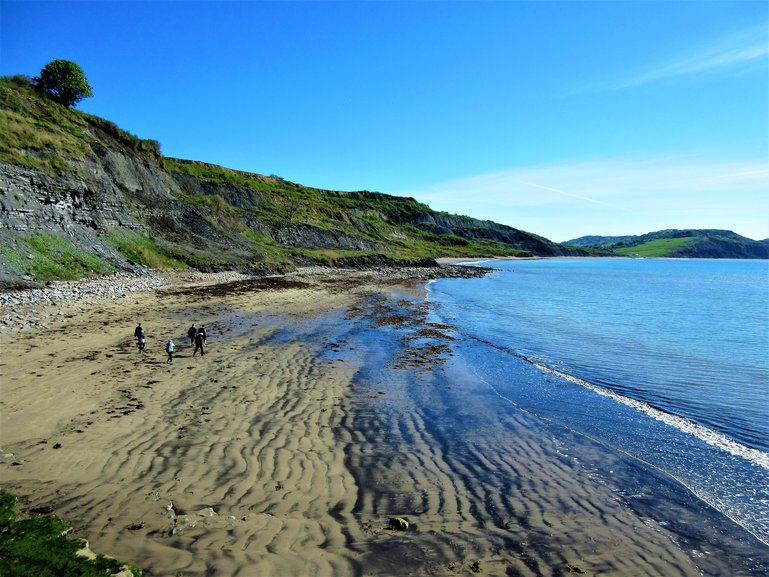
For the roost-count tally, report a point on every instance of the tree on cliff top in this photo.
(63, 81)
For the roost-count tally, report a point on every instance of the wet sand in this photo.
(324, 406)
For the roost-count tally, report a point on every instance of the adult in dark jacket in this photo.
(200, 342)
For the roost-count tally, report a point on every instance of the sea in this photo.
(663, 360)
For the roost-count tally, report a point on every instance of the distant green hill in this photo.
(82, 196)
(596, 241)
(690, 243)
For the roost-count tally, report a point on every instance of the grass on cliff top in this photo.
(657, 248)
(40, 547)
(41, 134)
(37, 132)
(283, 193)
(47, 257)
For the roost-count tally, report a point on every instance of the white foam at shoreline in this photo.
(711, 437)
(705, 434)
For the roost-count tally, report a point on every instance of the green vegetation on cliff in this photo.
(98, 187)
(64, 82)
(39, 133)
(141, 250)
(47, 257)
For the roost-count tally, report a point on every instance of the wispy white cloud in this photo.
(605, 181)
(622, 196)
(736, 51)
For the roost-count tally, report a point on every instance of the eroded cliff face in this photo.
(116, 189)
(473, 229)
(72, 206)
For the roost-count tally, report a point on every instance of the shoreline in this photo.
(327, 403)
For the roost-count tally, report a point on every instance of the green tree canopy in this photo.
(63, 81)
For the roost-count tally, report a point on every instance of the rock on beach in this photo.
(29, 308)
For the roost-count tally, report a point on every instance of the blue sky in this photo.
(559, 118)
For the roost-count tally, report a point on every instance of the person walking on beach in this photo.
(191, 334)
(138, 331)
(141, 342)
(200, 341)
(170, 348)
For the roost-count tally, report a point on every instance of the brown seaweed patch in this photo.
(392, 320)
(426, 357)
(425, 344)
(431, 333)
(441, 326)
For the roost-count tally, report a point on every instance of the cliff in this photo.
(80, 196)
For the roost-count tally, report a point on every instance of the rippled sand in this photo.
(289, 445)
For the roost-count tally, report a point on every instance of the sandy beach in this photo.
(287, 448)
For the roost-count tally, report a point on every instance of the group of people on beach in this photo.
(197, 336)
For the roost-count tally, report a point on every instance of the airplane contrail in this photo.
(563, 192)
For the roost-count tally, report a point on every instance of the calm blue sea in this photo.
(664, 360)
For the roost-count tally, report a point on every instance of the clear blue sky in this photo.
(559, 118)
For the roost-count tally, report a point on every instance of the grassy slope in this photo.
(48, 257)
(43, 135)
(38, 133)
(695, 243)
(657, 248)
(372, 216)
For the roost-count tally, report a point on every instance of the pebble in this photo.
(112, 286)
(26, 309)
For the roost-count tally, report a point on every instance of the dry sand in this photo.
(265, 458)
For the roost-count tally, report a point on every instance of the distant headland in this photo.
(687, 243)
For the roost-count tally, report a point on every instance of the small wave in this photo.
(747, 520)
(705, 434)
(709, 436)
